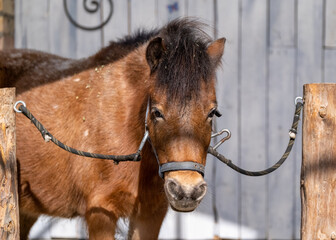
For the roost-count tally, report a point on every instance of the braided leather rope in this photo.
(292, 134)
(48, 136)
(136, 156)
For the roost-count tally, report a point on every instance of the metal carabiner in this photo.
(227, 137)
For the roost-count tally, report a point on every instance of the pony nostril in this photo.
(175, 189)
(172, 186)
(199, 192)
(203, 187)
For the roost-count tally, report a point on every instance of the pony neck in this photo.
(131, 76)
(138, 73)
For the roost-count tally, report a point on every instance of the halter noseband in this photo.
(169, 166)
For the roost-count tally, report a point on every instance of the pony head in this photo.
(182, 104)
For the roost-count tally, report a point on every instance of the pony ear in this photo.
(154, 52)
(215, 51)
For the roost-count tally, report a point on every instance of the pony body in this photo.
(100, 106)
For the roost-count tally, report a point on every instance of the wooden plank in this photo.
(253, 114)
(59, 25)
(88, 42)
(282, 23)
(204, 11)
(117, 27)
(281, 95)
(318, 163)
(32, 24)
(6, 24)
(330, 23)
(170, 9)
(330, 65)
(9, 203)
(143, 14)
(37, 24)
(310, 26)
(227, 181)
(282, 200)
(19, 26)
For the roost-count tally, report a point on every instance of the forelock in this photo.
(185, 62)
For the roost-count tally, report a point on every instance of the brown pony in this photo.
(99, 105)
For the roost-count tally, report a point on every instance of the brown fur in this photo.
(99, 106)
(26, 69)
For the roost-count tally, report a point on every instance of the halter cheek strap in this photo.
(172, 166)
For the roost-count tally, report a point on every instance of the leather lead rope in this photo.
(47, 136)
(171, 166)
(292, 135)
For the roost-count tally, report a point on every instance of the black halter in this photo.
(170, 166)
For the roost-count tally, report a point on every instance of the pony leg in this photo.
(101, 224)
(147, 226)
(26, 223)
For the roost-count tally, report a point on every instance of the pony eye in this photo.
(214, 112)
(157, 114)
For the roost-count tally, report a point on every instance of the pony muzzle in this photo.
(184, 189)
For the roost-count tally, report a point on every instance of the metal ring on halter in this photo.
(17, 103)
(297, 99)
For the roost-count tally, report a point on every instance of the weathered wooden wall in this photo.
(6, 24)
(273, 48)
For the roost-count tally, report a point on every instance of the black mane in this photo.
(185, 62)
(138, 38)
(123, 46)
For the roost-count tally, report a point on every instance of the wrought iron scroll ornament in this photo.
(92, 7)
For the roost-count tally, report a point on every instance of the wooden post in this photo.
(318, 172)
(9, 205)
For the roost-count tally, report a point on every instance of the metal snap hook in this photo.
(221, 132)
(227, 137)
(16, 104)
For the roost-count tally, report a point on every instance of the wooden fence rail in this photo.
(9, 205)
